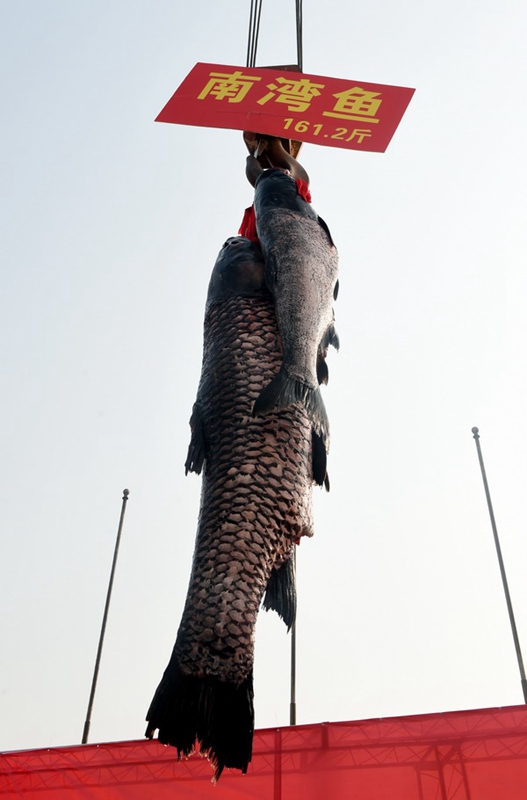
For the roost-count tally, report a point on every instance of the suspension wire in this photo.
(255, 14)
(299, 48)
(249, 35)
(254, 31)
(257, 33)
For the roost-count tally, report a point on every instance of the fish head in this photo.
(239, 270)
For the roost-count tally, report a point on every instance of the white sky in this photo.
(110, 228)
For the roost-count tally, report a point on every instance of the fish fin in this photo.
(197, 448)
(330, 337)
(284, 390)
(318, 415)
(324, 226)
(280, 595)
(322, 368)
(217, 714)
(319, 458)
(336, 290)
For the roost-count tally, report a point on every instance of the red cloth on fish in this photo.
(248, 226)
(460, 755)
(303, 190)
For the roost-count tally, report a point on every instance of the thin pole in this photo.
(104, 619)
(475, 431)
(292, 704)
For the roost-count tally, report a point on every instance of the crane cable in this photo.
(254, 31)
(299, 49)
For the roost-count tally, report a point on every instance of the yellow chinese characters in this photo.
(297, 95)
(360, 134)
(355, 103)
(230, 86)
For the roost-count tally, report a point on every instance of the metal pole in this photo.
(292, 704)
(475, 431)
(104, 619)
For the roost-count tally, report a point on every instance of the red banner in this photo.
(293, 105)
(459, 755)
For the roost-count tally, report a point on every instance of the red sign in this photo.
(310, 108)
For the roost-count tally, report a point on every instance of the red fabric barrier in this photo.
(461, 755)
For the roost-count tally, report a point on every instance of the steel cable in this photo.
(299, 48)
(255, 14)
(254, 30)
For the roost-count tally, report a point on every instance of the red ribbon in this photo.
(303, 190)
(248, 226)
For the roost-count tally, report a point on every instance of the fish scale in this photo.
(241, 483)
(256, 502)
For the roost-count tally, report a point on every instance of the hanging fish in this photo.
(255, 504)
(301, 271)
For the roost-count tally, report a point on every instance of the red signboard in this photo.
(293, 105)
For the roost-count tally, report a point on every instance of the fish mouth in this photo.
(237, 253)
(245, 248)
(233, 241)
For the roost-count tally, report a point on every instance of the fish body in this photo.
(256, 502)
(302, 273)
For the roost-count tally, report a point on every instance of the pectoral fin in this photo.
(284, 390)
(197, 449)
(280, 595)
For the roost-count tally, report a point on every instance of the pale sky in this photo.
(110, 228)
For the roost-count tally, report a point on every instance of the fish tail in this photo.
(280, 595)
(218, 715)
(283, 391)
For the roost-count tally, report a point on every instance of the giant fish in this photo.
(256, 503)
(301, 271)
